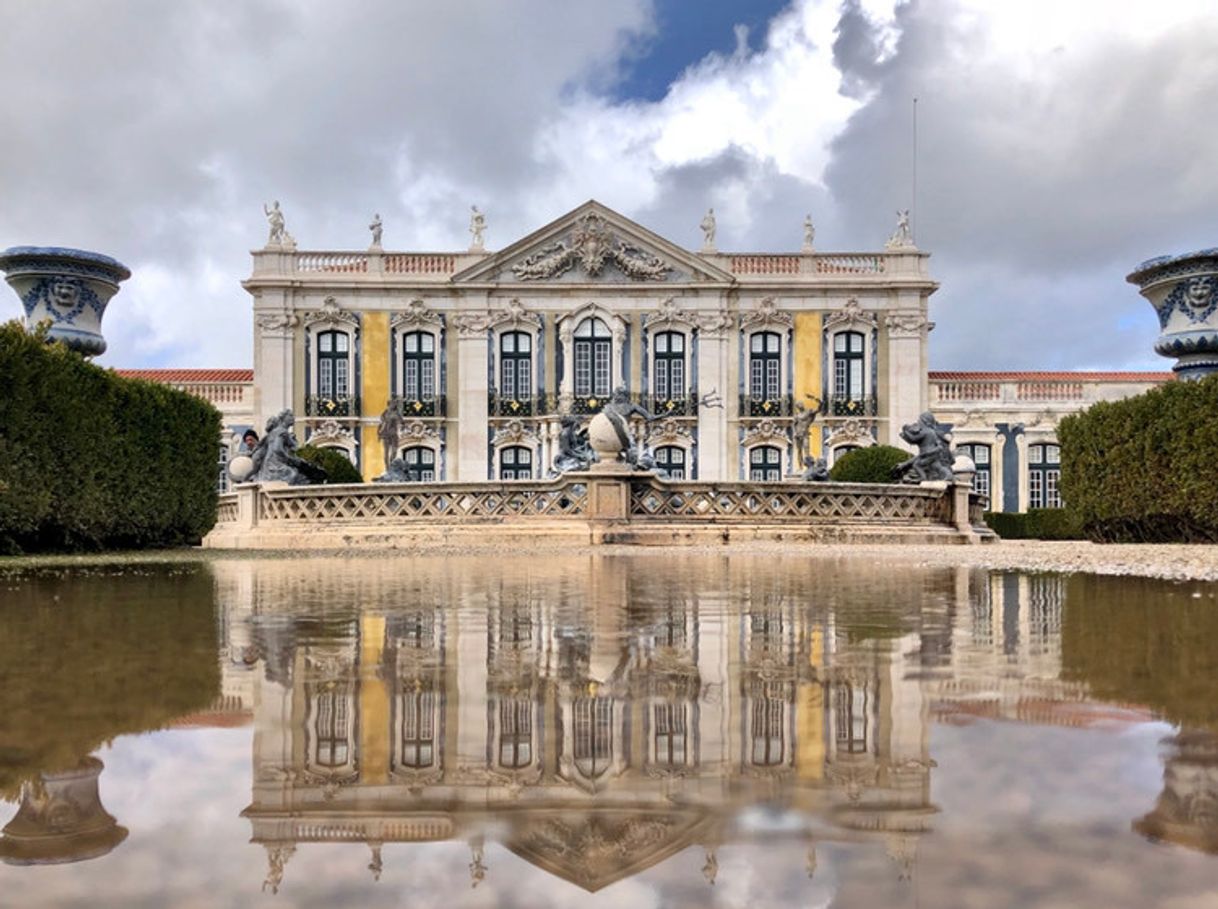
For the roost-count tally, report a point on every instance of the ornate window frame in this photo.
(851, 318)
(668, 317)
(418, 316)
(336, 435)
(618, 329)
(849, 434)
(672, 433)
(516, 434)
(767, 317)
(331, 317)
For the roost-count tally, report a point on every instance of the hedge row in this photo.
(89, 460)
(1037, 524)
(336, 465)
(1144, 469)
(873, 464)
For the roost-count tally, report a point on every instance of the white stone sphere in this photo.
(603, 437)
(240, 467)
(964, 464)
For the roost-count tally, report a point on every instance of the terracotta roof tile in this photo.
(1036, 376)
(173, 376)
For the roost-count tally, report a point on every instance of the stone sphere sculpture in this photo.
(68, 288)
(1184, 292)
(603, 438)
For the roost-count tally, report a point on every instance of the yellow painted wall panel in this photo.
(374, 385)
(808, 355)
(373, 703)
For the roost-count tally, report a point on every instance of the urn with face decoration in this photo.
(1184, 292)
(67, 289)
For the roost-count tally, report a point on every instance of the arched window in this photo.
(418, 367)
(765, 366)
(331, 726)
(420, 464)
(768, 707)
(593, 735)
(333, 365)
(1044, 470)
(981, 457)
(516, 366)
(765, 464)
(515, 463)
(417, 737)
(669, 360)
(848, 390)
(593, 359)
(670, 460)
(669, 734)
(515, 732)
(851, 709)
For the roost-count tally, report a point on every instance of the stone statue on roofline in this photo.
(809, 234)
(902, 237)
(477, 227)
(377, 227)
(934, 459)
(279, 236)
(708, 230)
(275, 459)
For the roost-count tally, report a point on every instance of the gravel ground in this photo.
(1177, 562)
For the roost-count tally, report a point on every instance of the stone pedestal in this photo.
(67, 289)
(1184, 292)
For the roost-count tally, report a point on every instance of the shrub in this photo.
(1142, 469)
(338, 469)
(868, 465)
(89, 460)
(1037, 524)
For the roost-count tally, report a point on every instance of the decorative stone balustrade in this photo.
(223, 395)
(332, 262)
(1033, 390)
(829, 264)
(420, 264)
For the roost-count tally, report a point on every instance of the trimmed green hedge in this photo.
(1037, 524)
(89, 460)
(873, 464)
(338, 469)
(1143, 469)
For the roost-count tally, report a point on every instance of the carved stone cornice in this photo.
(472, 324)
(851, 432)
(765, 315)
(766, 431)
(416, 314)
(907, 324)
(851, 315)
(515, 432)
(331, 313)
(669, 315)
(591, 245)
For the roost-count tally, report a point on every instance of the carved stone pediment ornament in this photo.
(851, 314)
(331, 431)
(766, 313)
(667, 432)
(569, 322)
(766, 431)
(714, 324)
(473, 324)
(590, 246)
(415, 432)
(851, 432)
(669, 314)
(331, 313)
(416, 313)
(277, 321)
(514, 432)
(907, 324)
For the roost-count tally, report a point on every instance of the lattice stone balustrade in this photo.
(226, 511)
(787, 502)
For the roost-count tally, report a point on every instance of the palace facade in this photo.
(481, 353)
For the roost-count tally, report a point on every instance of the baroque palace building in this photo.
(483, 352)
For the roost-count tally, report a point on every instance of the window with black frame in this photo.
(1044, 471)
(420, 464)
(980, 455)
(333, 365)
(668, 358)
(515, 463)
(670, 461)
(765, 366)
(516, 366)
(765, 464)
(593, 359)
(418, 367)
(848, 373)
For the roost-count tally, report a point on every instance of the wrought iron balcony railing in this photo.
(503, 406)
(765, 407)
(852, 407)
(682, 404)
(332, 406)
(434, 406)
(587, 404)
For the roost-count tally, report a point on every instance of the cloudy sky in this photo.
(1060, 142)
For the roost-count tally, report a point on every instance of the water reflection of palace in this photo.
(596, 715)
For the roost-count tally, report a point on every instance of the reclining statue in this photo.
(817, 471)
(275, 458)
(574, 452)
(934, 458)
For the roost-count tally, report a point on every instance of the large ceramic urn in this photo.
(66, 288)
(1184, 292)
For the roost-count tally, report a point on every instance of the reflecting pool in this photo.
(640, 730)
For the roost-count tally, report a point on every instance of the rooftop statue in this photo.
(279, 235)
(809, 233)
(902, 237)
(934, 458)
(275, 458)
(708, 230)
(477, 227)
(377, 227)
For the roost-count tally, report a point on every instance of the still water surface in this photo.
(641, 731)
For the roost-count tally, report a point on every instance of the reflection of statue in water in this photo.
(389, 430)
(574, 453)
(804, 418)
(817, 470)
(934, 458)
(275, 458)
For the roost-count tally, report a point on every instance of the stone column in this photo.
(714, 357)
(273, 342)
(906, 385)
(472, 438)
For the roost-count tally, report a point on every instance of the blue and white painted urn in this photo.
(1184, 292)
(69, 288)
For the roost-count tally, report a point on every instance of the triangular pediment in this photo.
(595, 848)
(593, 245)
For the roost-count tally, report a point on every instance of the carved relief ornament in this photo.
(590, 245)
(417, 432)
(766, 314)
(473, 324)
(669, 432)
(515, 432)
(767, 431)
(277, 321)
(331, 432)
(331, 313)
(907, 324)
(416, 313)
(852, 314)
(851, 432)
(669, 314)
